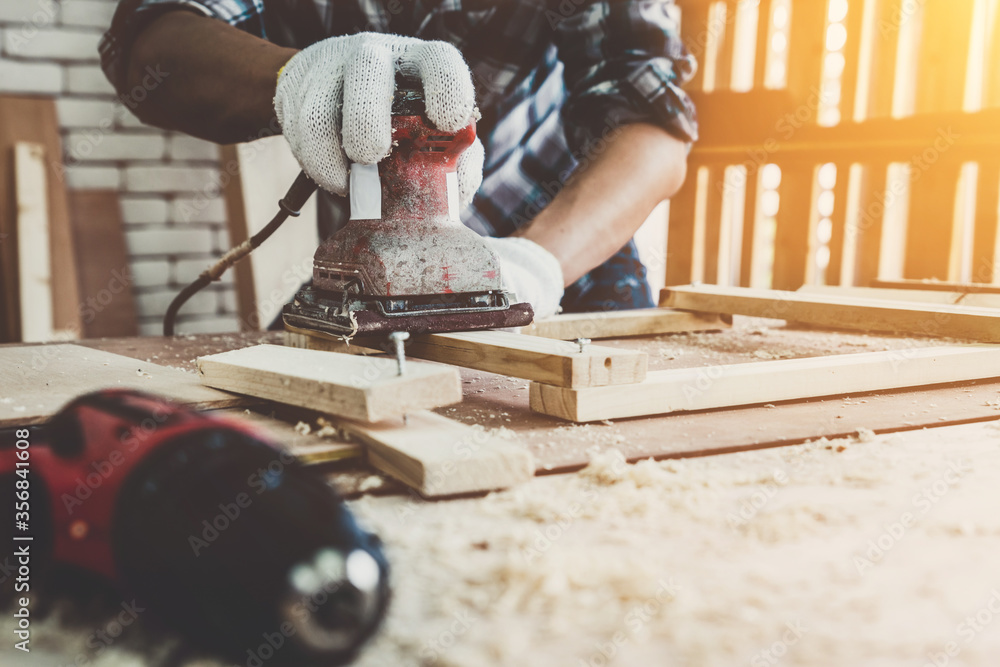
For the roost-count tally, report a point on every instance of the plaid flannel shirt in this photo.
(554, 78)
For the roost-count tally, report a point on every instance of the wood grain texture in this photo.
(899, 317)
(440, 457)
(104, 270)
(33, 258)
(39, 379)
(974, 299)
(624, 323)
(34, 119)
(363, 388)
(553, 362)
(733, 385)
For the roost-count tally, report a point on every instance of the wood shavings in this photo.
(303, 428)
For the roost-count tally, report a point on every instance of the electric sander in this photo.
(407, 263)
(404, 262)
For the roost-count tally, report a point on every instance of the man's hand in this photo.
(531, 272)
(334, 103)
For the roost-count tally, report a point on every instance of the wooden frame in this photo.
(842, 312)
(683, 390)
(554, 362)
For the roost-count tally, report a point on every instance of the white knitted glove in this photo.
(531, 272)
(334, 103)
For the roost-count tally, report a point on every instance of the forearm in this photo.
(217, 82)
(605, 203)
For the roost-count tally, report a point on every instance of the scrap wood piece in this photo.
(102, 257)
(950, 298)
(26, 118)
(363, 388)
(899, 317)
(440, 457)
(554, 362)
(38, 380)
(624, 323)
(732, 385)
(33, 255)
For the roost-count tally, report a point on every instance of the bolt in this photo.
(397, 338)
(583, 343)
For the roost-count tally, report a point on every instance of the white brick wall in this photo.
(175, 221)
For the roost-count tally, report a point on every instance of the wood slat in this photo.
(977, 324)
(33, 119)
(102, 257)
(681, 232)
(362, 388)
(793, 233)
(688, 389)
(33, 243)
(942, 63)
(554, 362)
(624, 323)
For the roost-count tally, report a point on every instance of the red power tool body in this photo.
(207, 522)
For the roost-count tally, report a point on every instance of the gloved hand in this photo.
(334, 103)
(531, 272)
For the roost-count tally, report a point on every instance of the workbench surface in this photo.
(868, 549)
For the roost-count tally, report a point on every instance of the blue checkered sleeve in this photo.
(624, 63)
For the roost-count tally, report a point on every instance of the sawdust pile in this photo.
(875, 550)
(797, 556)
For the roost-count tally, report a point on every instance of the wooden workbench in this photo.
(498, 402)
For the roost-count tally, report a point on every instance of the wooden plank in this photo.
(732, 385)
(33, 119)
(938, 285)
(102, 257)
(236, 223)
(978, 300)
(440, 457)
(794, 224)
(363, 388)
(33, 259)
(984, 244)
(529, 357)
(869, 223)
(681, 231)
(750, 215)
(979, 324)
(930, 230)
(39, 379)
(624, 323)
(834, 270)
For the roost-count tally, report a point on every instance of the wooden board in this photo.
(554, 362)
(900, 317)
(39, 379)
(34, 119)
(440, 457)
(102, 258)
(732, 385)
(503, 404)
(33, 259)
(624, 323)
(975, 299)
(363, 388)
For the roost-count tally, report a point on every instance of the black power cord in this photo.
(290, 205)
